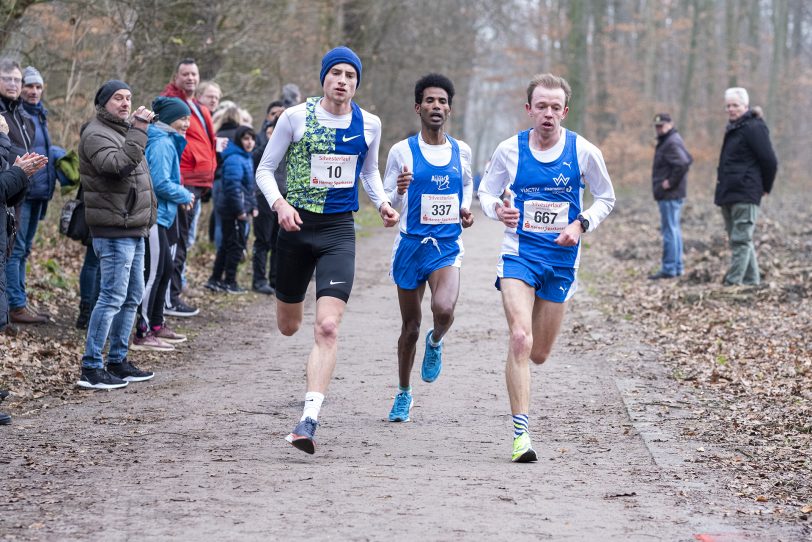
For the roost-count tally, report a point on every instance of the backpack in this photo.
(72, 221)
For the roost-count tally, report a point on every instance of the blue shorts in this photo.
(556, 284)
(415, 258)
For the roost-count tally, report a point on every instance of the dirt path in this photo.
(198, 453)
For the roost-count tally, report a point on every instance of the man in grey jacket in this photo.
(669, 178)
(120, 208)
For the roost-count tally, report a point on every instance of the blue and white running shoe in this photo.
(432, 360)
(303, 435)
(401, 408)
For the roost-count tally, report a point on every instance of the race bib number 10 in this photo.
(333, 170)
(545, 216)
(439, 209)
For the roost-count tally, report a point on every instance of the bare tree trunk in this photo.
(732, 41)
(604, 118)
(698, 7)
(753, 33)
(650, 42)
(780, 23)
(11, 11)
(576, 63)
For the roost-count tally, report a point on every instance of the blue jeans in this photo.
(89, 278)
(27, 222)
(122, 287)
(670, 211)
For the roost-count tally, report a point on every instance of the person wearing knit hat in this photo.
(340, 55)
(170, 109)
(107, 90)
(234, 206)
(32, 76)
(32, 209)
(166, 140)
(331, 146)
(120, 209)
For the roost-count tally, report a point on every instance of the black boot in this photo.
(84, 315)
(5, 419)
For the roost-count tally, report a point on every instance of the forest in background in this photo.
(744, 355)
(625, 59)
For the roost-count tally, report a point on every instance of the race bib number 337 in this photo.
(545, 216)
(439, 209)
(333, 170)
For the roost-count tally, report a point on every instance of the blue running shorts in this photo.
(415, 258)
(556, 284)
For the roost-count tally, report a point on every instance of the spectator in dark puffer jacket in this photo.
(746, 172)
(120, 208)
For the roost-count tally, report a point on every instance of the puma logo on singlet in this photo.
(568, 164)
(345, 138)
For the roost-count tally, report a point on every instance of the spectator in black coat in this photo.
(669, 178)
(746, 172)
(13, 184)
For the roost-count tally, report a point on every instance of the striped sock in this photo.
(407, 389)
(520, 423)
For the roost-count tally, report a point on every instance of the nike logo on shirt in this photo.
(333, 283)
(345, 138)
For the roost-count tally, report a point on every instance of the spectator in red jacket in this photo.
(197, 165)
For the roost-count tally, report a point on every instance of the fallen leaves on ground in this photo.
(746, 351)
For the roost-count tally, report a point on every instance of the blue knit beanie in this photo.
(170, 109)
(340, 55)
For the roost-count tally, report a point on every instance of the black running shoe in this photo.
(99, 379)
(5, 419)
(128, 372)
(181, 309)
(264, 289)
(233, 288)
(214, 286)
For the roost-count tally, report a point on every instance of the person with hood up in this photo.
(235, 205)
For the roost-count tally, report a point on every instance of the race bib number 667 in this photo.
(545, 216)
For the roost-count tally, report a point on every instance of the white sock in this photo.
(431, 340)
(312, 405)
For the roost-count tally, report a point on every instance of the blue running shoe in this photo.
(401, 408)
(302, 436)
(432, 360)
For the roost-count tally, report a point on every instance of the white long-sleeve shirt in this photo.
(290, 128)
(437, 155)
(503, 166)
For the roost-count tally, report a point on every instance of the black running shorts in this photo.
(326, 244)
